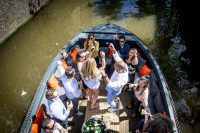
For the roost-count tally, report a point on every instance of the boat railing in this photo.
(36, 102)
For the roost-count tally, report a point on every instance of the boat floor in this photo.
(117, 121)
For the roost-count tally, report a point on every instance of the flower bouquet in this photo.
(94, 125)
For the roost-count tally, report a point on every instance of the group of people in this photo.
(80, 74)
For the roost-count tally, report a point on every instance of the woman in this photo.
(141, 92)
(92, 46)
(132, 61)
(157, 123)
(91, 76)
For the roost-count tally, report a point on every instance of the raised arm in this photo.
(102, 55)
(115, 54)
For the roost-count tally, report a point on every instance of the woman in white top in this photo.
(141, 92)
(91, 76)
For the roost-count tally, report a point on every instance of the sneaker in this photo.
(79, 113)
(112, 109)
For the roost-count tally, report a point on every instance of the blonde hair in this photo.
(121, 66)
(89, 69)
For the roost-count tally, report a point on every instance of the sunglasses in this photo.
(90, 38)
(122, 41)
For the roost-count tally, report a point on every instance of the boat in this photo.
(104, 33)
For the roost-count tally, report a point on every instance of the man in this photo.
(51, 126)
(72, 89)
(118, 79)
(121, 46)
(57, 109)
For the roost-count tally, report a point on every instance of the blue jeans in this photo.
(75, 103)
(112, 94)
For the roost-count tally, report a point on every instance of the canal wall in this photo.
(15, 13)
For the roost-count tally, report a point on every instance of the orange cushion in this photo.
(110, 54)
(53, 82)
(145, 70)
(64, 65)
(73, 54)
(36, 127)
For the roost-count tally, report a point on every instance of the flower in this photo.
(93, 125)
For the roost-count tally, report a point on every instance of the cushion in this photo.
(145, 70)
(36, 126)
(53, 82)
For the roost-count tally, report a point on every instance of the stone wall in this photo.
(15, 13)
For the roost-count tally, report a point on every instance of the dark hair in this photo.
(161, 124)
(49, 94)
(79, 54)
(70, 72)
(90, 34)
(45, 122)
(122, 37)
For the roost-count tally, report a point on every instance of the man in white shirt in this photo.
(118, 79)
(72, 89)
(51, 126)
(57, 109)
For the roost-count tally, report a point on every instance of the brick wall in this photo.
(14, 13)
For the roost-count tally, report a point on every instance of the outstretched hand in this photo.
(112, 47)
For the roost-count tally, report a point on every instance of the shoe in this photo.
(112, 109)
(79, 113)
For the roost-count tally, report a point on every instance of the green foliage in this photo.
(93, 125)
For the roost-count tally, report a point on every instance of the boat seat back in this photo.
(40, 115)
(53, 82)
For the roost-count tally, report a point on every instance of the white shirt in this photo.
(60, 70)
(118, 80)
(93, 83)
(58, 109)
(71, 86)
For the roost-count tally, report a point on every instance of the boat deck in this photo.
(118, 121)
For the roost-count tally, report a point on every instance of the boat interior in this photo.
(119, 121)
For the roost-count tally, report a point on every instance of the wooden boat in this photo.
(104, 33)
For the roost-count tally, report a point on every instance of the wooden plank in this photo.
(111, 119)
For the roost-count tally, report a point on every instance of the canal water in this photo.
(26, 55)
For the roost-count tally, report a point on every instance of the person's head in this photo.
(81, 56)
(143, 82)
(132, 52)
(70, 72)
(51, 94)
(121, 40)
(120, 67)
(48, 124)
(160, 123)
(90, 39)
(89, 68)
